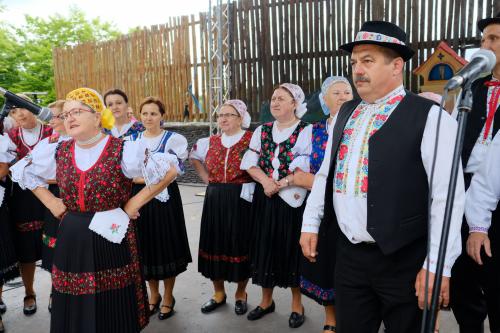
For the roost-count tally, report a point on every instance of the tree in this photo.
(31, 54)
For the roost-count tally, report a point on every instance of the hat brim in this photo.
(481, 24)
(404, 51)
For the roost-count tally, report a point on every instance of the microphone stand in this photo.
(464, 107)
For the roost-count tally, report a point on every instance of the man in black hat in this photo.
(475, 283)
(374, 188)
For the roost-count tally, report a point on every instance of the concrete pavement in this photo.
(191, 291)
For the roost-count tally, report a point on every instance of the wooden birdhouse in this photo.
(441, 66)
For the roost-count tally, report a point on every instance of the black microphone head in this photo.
(45, 114)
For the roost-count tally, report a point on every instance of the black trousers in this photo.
(373, 288)
(475, 289)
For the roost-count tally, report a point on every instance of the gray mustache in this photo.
(361, 79)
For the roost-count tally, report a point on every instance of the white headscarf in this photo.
(298, 96)
(329, 81)
(241, 107)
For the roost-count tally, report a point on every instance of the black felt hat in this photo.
(382, 33)
(481, 24)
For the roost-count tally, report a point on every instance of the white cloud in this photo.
(124, 14)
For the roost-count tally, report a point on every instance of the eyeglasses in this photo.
(75, 113)
(226, 115)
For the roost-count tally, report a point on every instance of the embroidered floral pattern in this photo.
(268, 148)
(481, 139)
(100, 188)
(136, 127)
(48, 241)
(88, 283)
(222, 257)
(22, 149)
(29, 226)
(215, 161)
(315, 291)
(365, 121)
(319, 141)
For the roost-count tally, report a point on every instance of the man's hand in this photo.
(420, 292)
(309, 242)
(475, 242)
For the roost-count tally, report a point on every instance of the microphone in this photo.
(482, 62)
(12, 100)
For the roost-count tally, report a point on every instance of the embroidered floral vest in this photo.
(23, 149)
(100, 188)
(319, 141)
(268, 148)
(218, 170)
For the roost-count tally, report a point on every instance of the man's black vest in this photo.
(397, 181)
(477, 118)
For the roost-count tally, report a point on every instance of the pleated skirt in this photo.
(276, 252)
(163, 240)
(26, 215)
(317, 279)
(225, 234)
(8, 259)
(98, 285)
(49, 235)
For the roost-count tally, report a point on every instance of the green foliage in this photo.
(26, 52)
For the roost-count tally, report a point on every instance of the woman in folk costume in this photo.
(41, 151)
(26, 211)
(316, 280)
(117, 101)
(276, 150)
(161, 227)
(226, 220)
(8, 259)
(97, 281)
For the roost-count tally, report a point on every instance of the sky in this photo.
(124, 14)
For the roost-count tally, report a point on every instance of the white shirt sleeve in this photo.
(251, 157)
(7, 149)
(36, 168)
(484, 192)
(200, 149)
(315, 204)
(302, 150)
(152, 167)
(447, 136)
(177, 144)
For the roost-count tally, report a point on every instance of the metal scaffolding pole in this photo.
(218, 53)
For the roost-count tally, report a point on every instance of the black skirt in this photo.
(98, 286)
(8, 259)
(26, 214)
(225, 234)
(49, 236)
(162, 235)
(276, 252)
(317, 279)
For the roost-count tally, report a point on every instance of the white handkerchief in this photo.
(247, 191)
(110, 224)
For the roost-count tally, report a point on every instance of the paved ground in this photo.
(191, 291)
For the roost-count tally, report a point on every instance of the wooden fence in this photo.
(272, 41)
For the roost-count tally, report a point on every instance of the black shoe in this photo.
(163, 316)
(259, 312)
(296, 319)
(211, 305)
(3, 307)
(329, 328)
(31, 309)
(240, 307)
(156, 307)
